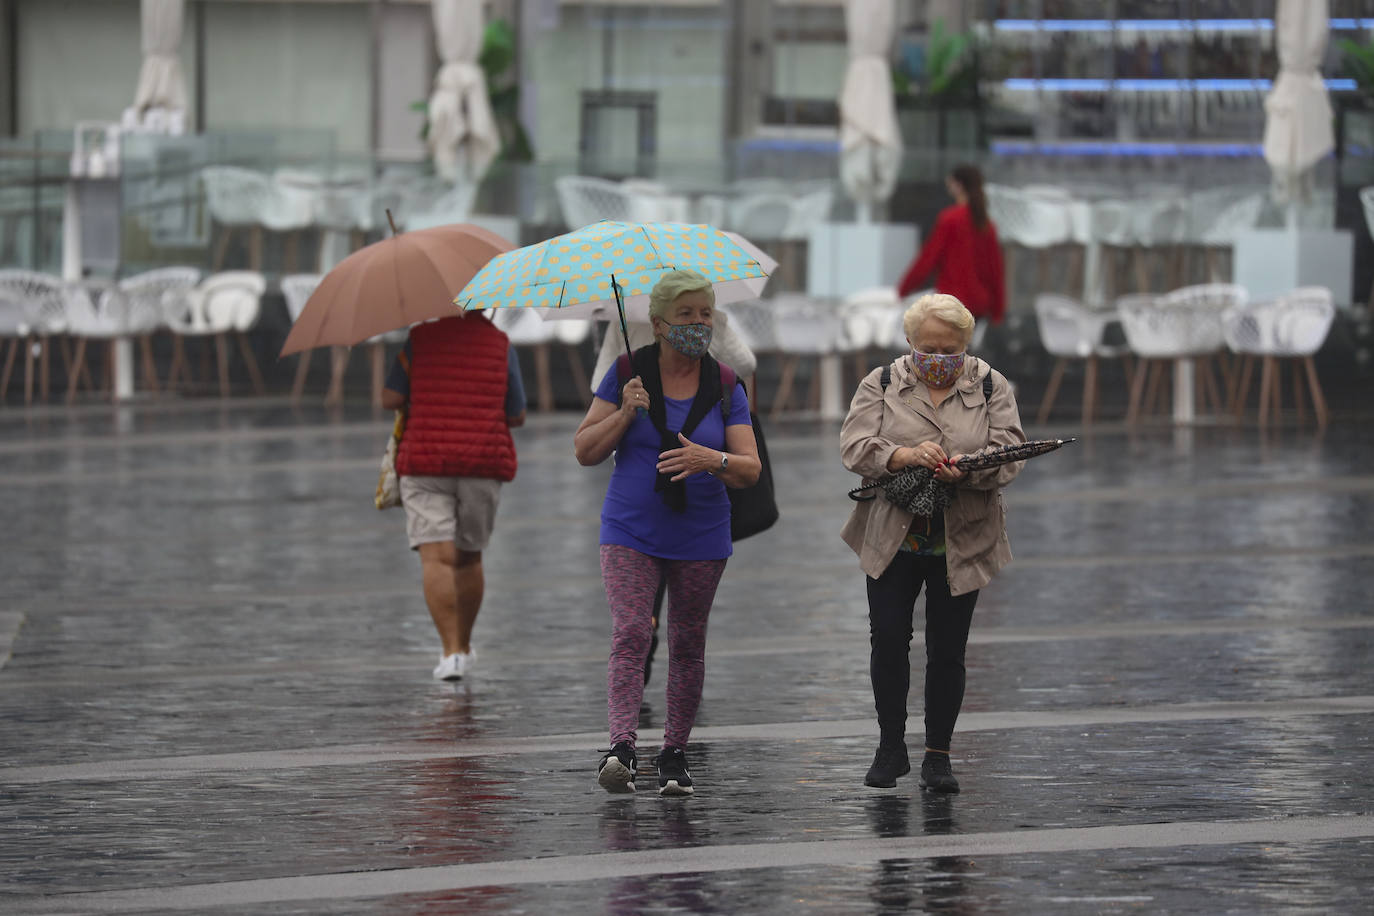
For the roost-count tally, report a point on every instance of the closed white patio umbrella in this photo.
(463, 138)
(870, 143)
(160, 81)
(1297, 126)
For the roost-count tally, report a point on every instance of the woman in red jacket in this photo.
(963, 251)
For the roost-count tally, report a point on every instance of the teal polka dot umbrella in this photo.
(572, 275)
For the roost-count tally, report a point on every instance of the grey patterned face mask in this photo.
(691, 340)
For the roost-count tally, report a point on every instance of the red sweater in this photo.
(967, 263)
(456, 426)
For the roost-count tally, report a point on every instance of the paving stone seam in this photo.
(719, 647)
(550, 870)
(173, 767)
(499, 584)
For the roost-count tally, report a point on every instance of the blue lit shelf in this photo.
(1159, 25)
(1161, 148)
(1154, 85)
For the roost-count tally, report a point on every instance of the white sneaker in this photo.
(447, 669)
(462, 663)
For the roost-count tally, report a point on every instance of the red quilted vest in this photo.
(457, 422)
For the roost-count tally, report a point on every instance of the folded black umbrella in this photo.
(918, 491)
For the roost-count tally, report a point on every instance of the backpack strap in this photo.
(727, 390)
(987, 386)
(886, 377)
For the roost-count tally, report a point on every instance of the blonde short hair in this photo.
(943, 306)
(673, 284)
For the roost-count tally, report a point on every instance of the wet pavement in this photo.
(215, 691)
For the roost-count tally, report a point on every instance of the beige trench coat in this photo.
(881, 421)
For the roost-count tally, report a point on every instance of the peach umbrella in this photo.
(395, 283)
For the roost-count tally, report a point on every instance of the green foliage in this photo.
(950, 68)
(1359, 65)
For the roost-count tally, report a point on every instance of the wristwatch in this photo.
(724, 463)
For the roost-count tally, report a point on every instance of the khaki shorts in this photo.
(457, 509)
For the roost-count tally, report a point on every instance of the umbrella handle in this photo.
(625, 336)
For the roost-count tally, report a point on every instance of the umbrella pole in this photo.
(624, 326)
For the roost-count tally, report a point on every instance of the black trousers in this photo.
(891, 604)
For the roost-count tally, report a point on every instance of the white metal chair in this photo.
(1290, 328)
(43, 300)
(1070, 330)
(437, 203)
(526, 329)
(224, 303)
(241, 198)
(586, 200)
(1037, 220)
(766, 215)
(1215, 216)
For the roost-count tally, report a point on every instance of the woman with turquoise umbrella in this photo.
(678, 424)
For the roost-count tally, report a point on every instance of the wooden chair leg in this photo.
(302, 370)
(10, 353)
(1266, 389)
(1299, 402)
(222, 362)
(543, 377)
(1089, 391)
(259, 386)
(74, 375)
(179, 367)
(28, 371)
(221, 249)
(813, 388)
(338, 362)
(1208, 389)
(112, 368)
(1152, 384)
(789, 371)
(579, 374)
(1051, 391)
(145, 347)
(1240, 385)
(1137, 391)
(1318, 399)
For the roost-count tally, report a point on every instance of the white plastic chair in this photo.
(1290, 328)
(1038, 220)
(43, 299)
(654, 202)
(527, 329)
(1070, 330)
(448, 203)
(297, 289)
(1215, 217)
(1184, 324)
(224, 303)
(804, 327)
(241, 198)
(809, 209)
(586, 200)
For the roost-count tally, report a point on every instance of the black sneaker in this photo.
(673, 778)
(890, 762)
(937, 775)
(616, 772)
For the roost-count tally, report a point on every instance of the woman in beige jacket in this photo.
(938, 405)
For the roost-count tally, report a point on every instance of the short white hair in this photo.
(943, 306)
(673, 284)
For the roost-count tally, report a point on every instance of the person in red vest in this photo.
(459, 379)
(963, 252)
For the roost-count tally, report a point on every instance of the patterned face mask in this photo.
(938, 370)
(691, 340)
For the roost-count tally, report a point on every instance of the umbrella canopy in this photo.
(1005, 454)
(463, 138)
(160, 81)
(870, 143)
(572, 272)
(1297, 125)
(393, 284)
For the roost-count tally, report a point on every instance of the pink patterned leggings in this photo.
(631, 579)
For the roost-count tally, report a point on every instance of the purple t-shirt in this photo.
(634, 516)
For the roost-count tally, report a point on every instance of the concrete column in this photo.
(749, 58)
(405, 62)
